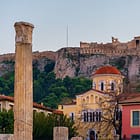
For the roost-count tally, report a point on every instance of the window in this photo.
(42, 112)
(83, 101)
(91, 116)
(93, 85)
(91, 99)
(62, 107)
(87, 99)
(85, 118)
(96, 99)
(11, 106)
(118, 114)
(137, 43)
(112, 86)
(72, 116)
(135, 137)
(102, 86)
(135, 118)
(34, 111)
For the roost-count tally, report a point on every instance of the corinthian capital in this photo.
(23, 32)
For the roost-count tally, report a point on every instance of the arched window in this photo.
(102, 86)
(94, 85)
(91, 99)
(83, 101)
(87, 99)
(112, 86)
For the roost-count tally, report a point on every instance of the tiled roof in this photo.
(8, 98)
(129, 98)
(107, 70)
(36, 105)
(135, 100)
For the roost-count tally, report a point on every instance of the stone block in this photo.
(60, 133)
(76, 138)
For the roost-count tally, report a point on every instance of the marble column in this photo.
(23, 89)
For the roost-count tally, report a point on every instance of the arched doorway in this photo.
(91, 134)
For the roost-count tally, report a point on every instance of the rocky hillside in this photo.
(40, 60)
(69, 61)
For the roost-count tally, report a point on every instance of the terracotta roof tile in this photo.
(126, 96)
(108, 70)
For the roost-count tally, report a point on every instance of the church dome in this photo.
(107, 70)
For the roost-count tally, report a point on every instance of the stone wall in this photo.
(115, 48)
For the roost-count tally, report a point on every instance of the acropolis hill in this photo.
(87, 58)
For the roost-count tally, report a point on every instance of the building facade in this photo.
(130, 106)
(91, 110)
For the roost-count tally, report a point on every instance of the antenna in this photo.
(67, 37)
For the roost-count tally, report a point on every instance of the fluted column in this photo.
(23, 89)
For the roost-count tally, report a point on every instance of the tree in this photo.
(6, 122)
(51, 100)
(50, 66)
(43, 125)
(111, 119)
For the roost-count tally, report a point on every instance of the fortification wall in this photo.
(115, 48)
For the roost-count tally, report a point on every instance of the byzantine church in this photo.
(87, 109)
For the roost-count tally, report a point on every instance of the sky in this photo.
(61, 22)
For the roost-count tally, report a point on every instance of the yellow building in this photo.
(87, 110)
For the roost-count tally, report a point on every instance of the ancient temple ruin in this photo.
(23, 90)
(115, 48)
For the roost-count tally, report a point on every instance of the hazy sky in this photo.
(87, 20)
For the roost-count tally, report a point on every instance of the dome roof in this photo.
(107, 70)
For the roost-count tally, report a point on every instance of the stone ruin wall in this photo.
(115, 48)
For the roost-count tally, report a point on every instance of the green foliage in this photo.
(51, 100)
(6, 122)
(66, 88)
(43, 125)
(7, 84)
(8, 62)
(49, 67)
(46, 87)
